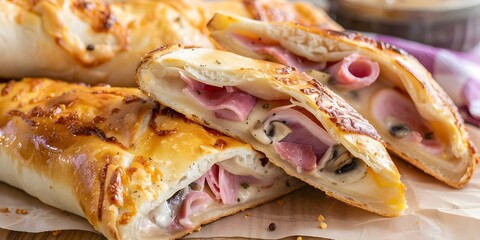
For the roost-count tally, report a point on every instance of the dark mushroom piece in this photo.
(399, 130)
(339, 166)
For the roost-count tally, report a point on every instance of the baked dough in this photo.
(299, 12)
(442, 149)
(92, 41)
(124, 162)
(350, 162)
(99, 41)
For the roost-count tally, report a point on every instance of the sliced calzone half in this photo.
(133, 168)
(390, 88)
(299, 124)
(92, 41)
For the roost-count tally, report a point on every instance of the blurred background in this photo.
(451, 24)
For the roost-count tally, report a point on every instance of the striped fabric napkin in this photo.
(457, 72)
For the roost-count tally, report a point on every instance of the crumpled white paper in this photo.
(435, 211)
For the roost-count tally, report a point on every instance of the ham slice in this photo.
(300, 155)
(354, 72)
(392, 108)
(306, 144)
(194, 202)
(280, 54)
(227, 102)
(223, 184)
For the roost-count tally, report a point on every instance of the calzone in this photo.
(92, 41)
(387, 86)
(298, 123)
(133, 168)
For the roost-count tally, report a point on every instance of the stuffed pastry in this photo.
(133, 168)
(303, 13)
(388, 87)
(300, 125)
(92, 41)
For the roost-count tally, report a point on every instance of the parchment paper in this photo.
(435, 211)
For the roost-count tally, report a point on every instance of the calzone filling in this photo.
(227, 183)
(294, 133)
(354, 77)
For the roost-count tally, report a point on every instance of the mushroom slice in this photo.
(341, 167)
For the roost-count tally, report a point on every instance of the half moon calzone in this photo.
(133, 168)
(390, 88)
(299, 124)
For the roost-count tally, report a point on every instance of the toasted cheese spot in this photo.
(23, 116)
(132, 99)
(115, 188)
(124, 218)
(220, 143)
(101, 195)
(6, 90)
(79, 128)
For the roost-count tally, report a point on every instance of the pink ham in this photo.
(354, 72)
(391, 105)
(194, 202)
(300, 155)
(227, 102)
(280, 54)
(306, 144)
(223, 184)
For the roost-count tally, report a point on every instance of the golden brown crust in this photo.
(92, 41)
(74, 135)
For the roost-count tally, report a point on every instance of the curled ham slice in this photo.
(280, 54)
(227, 102)
(194, 202)
(223, 184)
(390, 105)
(354, 72)
(306, 144)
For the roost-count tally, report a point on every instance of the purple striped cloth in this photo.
(457, 72)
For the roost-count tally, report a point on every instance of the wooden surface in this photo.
(81, 235)
(62, 235)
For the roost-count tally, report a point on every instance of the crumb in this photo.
(280, 202)
(21, 211)
(248, 215)
(272, 226)
(56, 232)
(299, 238)
(323, 225)
(198, 229)
(4, 210)
(321, 218)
